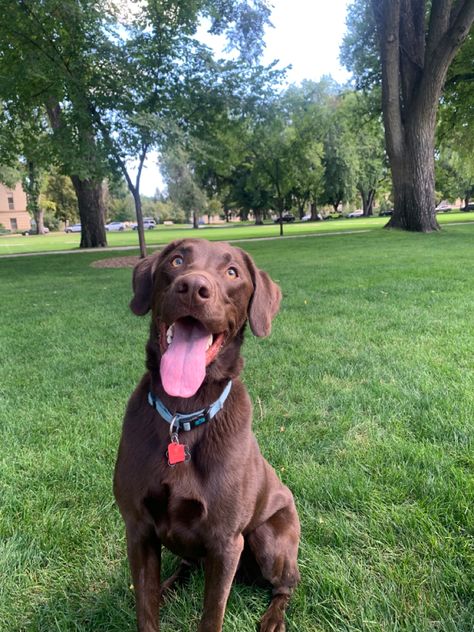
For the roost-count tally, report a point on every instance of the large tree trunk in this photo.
(414, 182)
(415, 55)
(89, 193)
(91, 211)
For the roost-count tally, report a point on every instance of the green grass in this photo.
(364, 404)
(13, 244)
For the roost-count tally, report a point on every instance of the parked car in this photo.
(286, 218)
(386, 213)
(74, 228)
(32, 231)
(148, 224)
(357, 213)
(469, 207)
(444, 207)
(115, 226)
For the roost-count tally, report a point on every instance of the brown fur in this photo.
(227, 496)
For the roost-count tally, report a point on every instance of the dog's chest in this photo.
(179, 512)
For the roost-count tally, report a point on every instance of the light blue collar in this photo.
(188, 421)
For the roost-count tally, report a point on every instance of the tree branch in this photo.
(387, 16)
(438, 25)
(412, 47)
(448, 45)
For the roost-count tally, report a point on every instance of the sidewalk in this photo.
(158, 246)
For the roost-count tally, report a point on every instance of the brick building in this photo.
(13, 213)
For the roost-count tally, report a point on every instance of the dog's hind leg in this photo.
(180, 575)
(275, 546)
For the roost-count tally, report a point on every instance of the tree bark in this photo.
(280, 208)
(31, 185)
(414, 67)
(413, 181)
(91, 211)
(367, 198)
(90, 198)
(314, 212)
(39, 218)
(139, 215)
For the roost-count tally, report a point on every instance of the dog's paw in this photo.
(272, 622)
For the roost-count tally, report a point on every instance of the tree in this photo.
(45, 62)
(58, 194)
(367, 140)
(455, 173)
(170, 81)
(25, 146)
(456, 118)
(111, 81)
(417, 43)
(183, 188)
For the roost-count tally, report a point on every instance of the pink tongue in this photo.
(183, 365)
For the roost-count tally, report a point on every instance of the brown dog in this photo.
(189, 472)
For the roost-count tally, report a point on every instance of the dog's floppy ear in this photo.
(265, 301)
(142, 284)
(143, 277)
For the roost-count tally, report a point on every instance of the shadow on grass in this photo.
(73, 609)
(111, 607)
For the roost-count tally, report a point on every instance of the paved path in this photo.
(156, 246)
(231, 241)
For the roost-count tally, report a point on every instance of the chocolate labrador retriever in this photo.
(189, 473)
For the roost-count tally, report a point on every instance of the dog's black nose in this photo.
(194, 287)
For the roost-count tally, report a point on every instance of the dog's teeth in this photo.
(170, 334)
(209, 342)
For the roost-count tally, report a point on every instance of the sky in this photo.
(306, 34)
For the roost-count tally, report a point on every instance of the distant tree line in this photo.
(88, 88)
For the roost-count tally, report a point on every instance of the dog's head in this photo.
(201, 294)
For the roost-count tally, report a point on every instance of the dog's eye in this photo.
(232, 273)
(177, 261)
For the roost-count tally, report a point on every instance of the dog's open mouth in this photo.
(187, 348)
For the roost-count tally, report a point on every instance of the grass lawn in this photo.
(13, 244)
(364, 404)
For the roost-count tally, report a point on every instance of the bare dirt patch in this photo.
(116, 262)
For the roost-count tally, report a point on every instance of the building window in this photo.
(11, 203)
(13, 223)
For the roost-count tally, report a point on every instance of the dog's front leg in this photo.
(220, 566)
(144, 556)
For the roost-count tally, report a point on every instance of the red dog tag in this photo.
(176, 453)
